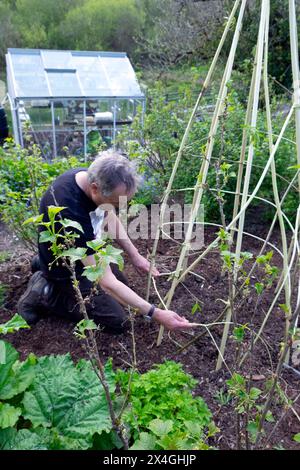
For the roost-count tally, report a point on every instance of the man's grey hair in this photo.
(110, 169)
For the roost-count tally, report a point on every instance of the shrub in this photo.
(24, 177)
(156, 145)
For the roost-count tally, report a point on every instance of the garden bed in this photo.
(55, 336)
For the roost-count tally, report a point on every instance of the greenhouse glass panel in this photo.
(25, 68)
(64, 84)
(57, 59)
(121, 76)
(92, 76)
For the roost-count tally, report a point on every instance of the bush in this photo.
(24, 177)
(156, 145)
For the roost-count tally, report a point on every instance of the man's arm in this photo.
(118, 232)
(126, 296)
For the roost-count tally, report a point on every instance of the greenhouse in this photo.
(71, 100)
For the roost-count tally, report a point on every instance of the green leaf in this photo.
(259, 287)
(45, 237)
(196, 307)
(75, 254)
(34, 220)
(255, 393)
(161, 428)
(69, 398)
(146, 441)
(10, 439)
(7, 437)
(95, 244)
(113, 255)
(269, 417)
(71, 223)
(9, 415)
(252, 428)
(14, 324)
(93, 273)
(239, 333)
(297, 437)
(294, 167)
(82, 326)
(194, 428)
(53, 210)
(15, 376)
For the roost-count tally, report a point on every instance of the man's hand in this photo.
(170, 320)
(142, 265)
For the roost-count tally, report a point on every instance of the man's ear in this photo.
(94, 188)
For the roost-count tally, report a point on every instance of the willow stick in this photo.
(185, 138)
(253, 122)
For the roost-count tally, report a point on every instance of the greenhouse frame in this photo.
(64, 98)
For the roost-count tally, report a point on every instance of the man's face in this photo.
(114, 198)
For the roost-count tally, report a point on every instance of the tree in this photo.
(98, 24)
(179, 29)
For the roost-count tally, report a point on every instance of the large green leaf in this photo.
(68, 398)
(11, 439)
(146, 441)
(161, 428)
(15, 376)
(9, 415)
(14, 324)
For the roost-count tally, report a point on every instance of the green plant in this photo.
(25, 176)
(165, 393)
(14, 324)
(50, 403)
(222, 397)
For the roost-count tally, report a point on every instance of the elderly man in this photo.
(82, 192)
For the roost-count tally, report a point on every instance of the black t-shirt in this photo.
(67, 193)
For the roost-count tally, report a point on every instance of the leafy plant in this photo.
(165, 393)
(50, 403)
(14, 324)
(25, 176)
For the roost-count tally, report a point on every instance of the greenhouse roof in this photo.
(34, 73)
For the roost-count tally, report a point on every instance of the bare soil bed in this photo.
(55, 336)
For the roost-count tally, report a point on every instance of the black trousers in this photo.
(60, 301)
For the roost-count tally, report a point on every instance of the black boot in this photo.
(32, 302)
(35, 264)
